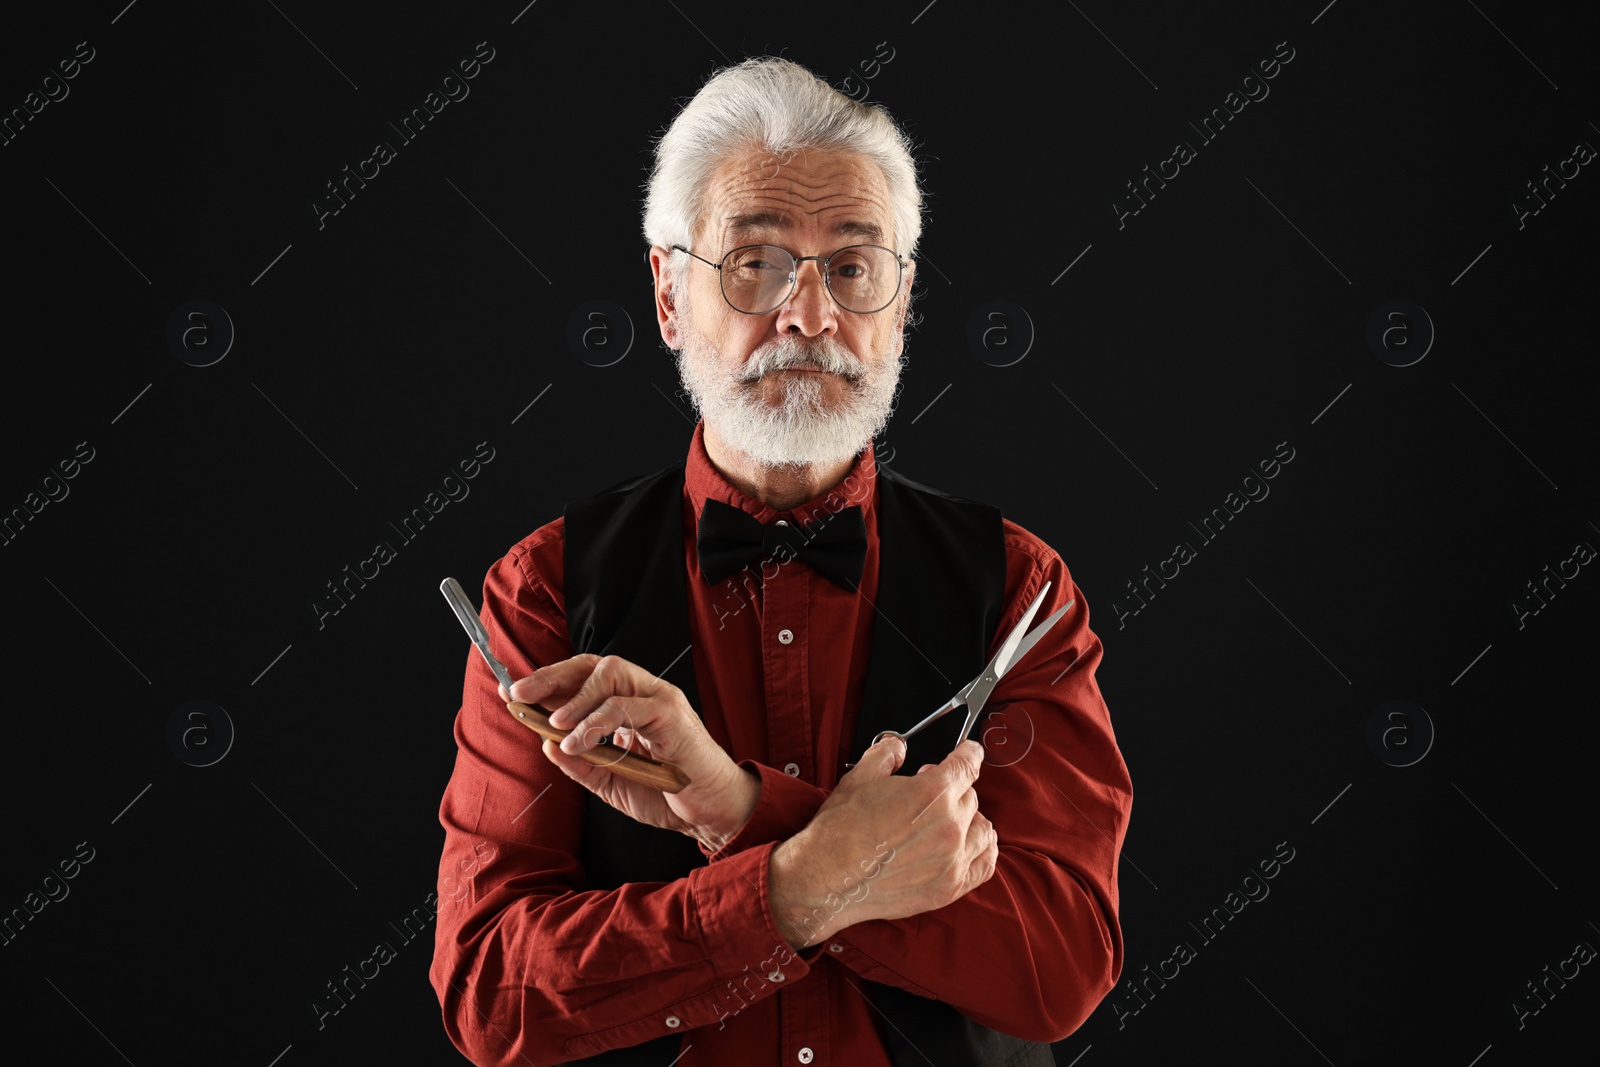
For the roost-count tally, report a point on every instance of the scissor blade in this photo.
(1011, 652)
(474, 626)
(1034, 635)
(1008, 653)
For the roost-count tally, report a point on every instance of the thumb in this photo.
(577, 768)
(881, 760)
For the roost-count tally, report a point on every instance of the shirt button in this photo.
(836, 947)
(805, 1055)
(673, 1020)
(781, 522)
(775, 976)
(792, 770)
(785, 636)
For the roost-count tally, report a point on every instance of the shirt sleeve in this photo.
(529, 967)
(1033, 950)
(784, 807)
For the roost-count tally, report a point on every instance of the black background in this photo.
(1229, 315)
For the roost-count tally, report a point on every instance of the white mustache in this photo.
(829, 355)
(804, 428)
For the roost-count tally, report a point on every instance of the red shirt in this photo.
(532, 968)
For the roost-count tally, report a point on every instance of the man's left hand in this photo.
(594, 696)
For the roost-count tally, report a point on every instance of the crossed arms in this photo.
(987, 881)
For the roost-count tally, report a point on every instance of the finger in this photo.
(608, 676)
(964, 762)
(555, 681)
(982, 852)
(967, 807)
(991, 841)
(881, 760)
(575, 767)
(588, 731)
(981, 871)
(981, 831)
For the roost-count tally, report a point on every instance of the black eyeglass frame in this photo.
(794, 275)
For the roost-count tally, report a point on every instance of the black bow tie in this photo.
(730, 538)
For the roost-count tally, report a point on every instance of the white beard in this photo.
(802, 429)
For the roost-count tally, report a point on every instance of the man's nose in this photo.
(809, 309)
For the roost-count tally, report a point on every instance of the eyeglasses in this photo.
(757, 279)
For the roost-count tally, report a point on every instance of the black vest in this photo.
(941, 590)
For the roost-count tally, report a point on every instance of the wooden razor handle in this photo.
(663, 776)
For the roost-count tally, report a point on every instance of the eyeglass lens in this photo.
(863, 278)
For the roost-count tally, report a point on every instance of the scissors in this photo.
(976, 692)
(664, 776)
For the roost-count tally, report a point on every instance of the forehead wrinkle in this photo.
(853, 225)
(777, 213)
(745, 189)
(777, 185)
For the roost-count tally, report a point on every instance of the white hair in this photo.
(774, 104)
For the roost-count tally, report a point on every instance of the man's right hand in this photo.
(939, 846)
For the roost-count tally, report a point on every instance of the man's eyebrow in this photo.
(758, 220)
(870, 230)
(742, 224)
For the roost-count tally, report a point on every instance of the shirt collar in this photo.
(702, 481)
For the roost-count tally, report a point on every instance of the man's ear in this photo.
(666, 303)
(905, 295)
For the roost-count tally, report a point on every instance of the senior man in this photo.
(756, 615)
